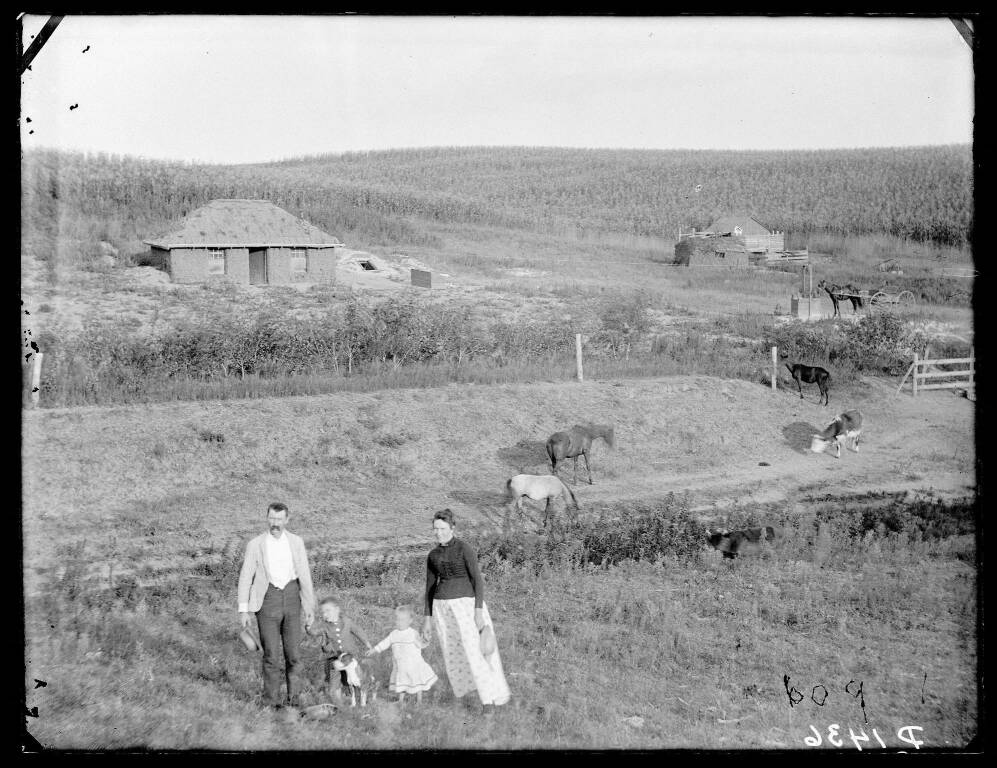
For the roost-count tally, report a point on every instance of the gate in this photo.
(922, 371)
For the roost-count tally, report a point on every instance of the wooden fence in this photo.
(959, 272)
(925, 370)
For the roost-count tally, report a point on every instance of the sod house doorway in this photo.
(257, 266)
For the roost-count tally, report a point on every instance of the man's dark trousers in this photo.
(279, 619)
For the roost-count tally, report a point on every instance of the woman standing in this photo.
(455, 605)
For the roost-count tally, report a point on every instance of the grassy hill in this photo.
(924, 193)
(921, 193)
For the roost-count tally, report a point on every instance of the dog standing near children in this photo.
(410, 673)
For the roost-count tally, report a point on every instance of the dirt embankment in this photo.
(161, 483)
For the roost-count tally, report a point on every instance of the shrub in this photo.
(810, 344)
(644, 532)
(921, 518)
(624, 322)
(883, 341)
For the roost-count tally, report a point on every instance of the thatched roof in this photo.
(727, 223)
(242, 224)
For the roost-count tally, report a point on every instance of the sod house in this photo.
(246, 241)
(710, 251)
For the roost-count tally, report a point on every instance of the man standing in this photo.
(276, 584)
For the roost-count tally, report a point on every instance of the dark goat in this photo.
(810, 374)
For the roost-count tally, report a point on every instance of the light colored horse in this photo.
(538, 488)
(847, 425)
(576, 442)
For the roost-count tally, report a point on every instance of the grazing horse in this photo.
(576, 442)
(811, 374)
(734, 543)
(538, 487)
(847, 425)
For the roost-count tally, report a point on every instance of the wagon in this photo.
(884, 300)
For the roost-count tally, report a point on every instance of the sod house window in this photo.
(216, 261)
(299, 261)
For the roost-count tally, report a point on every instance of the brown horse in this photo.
(834, 292)
(842, 293)
(576, 442)
(853, 296)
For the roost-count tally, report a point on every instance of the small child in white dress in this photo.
(409, 671)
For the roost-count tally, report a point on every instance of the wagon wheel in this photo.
(879, 299)
(906, 298)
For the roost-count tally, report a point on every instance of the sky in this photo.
(234, 89)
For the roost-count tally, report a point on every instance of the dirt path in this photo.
(144, 489)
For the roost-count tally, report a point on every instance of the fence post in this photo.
(915, 374)
(578, 355)
(36, 379)
(774, 367)
(904, 379)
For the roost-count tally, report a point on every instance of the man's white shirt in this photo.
(280, 564)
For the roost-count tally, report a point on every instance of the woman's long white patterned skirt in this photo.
(467, 669)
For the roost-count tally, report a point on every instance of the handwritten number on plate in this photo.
(832, 735)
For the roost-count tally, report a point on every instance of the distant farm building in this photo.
(755, 236)
(710, 251)
(246, 241)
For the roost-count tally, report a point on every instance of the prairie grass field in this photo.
(170, 415)
(679, 649)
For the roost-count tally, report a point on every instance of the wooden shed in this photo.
(246, 241)
(755, 236)
(710, 251)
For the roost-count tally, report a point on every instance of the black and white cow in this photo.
(748, 541)
(844, 425)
